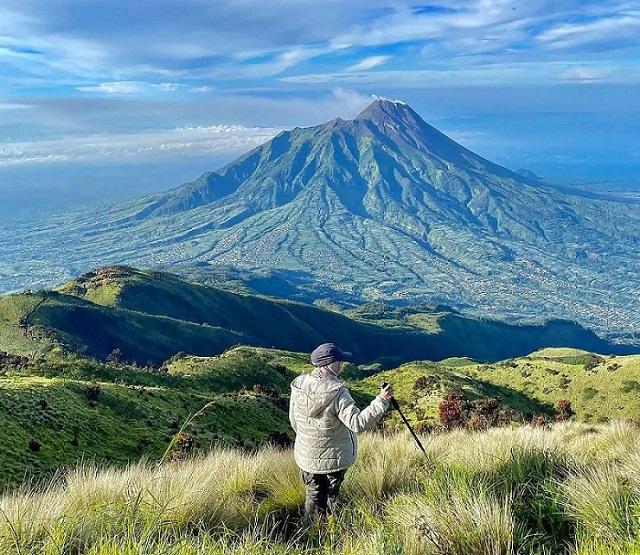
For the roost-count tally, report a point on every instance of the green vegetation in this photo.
(149, 316)
(58, 410)
(599, 388)
(569, 489)
(566, 489)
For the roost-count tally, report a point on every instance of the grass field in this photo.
(569, 488)
(89, 468)
(599, 387)
(59, 409)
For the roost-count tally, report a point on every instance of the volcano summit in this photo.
(384, 206)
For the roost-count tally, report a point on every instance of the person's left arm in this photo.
(355, 419)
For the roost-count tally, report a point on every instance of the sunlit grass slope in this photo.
(599, 387)
(57, 411)
(62, 408)
(150, 316)
(571, 489)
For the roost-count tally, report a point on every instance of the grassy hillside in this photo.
(599, 387)
(57, 411)
(150, 316)
(61, 408)
(569, 489)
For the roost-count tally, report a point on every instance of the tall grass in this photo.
(569, 489)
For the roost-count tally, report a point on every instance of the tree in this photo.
(115, 357)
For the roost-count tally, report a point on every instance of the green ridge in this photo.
(150, 316)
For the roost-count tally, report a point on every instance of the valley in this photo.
(114, 363)
(382, 207)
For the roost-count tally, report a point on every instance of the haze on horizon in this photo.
(106, 100)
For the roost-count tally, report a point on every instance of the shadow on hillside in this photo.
(491, 341)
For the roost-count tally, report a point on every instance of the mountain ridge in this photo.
(385, 207)
(149, 316)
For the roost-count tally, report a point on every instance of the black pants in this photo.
(322, 492)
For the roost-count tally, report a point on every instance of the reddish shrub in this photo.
(566, 411)
(450, 411)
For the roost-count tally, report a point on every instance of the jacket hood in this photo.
(316, 393)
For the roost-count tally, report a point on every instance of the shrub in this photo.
(456, 411)
(592, 362)
(451, 411)
(629, 385)
(426, 383)
(92, 391)
(566, 411)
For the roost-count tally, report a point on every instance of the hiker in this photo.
(326, 420)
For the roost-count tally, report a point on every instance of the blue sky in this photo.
(100, 99)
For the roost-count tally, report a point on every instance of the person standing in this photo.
(325, 419)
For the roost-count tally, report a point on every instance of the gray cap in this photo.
(327, 353)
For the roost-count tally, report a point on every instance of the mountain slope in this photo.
(600, 388)
(62, 409)
(384, 206)
(150, 316)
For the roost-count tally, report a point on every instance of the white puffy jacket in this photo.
(326, 420)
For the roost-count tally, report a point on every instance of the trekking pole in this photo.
(404, 419)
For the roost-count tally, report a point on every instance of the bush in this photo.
(456, 411)
(92, 391)
(629, 385)
(450, 411)
(566, 411)
(426, 383)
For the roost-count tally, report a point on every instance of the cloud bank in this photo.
(192, 141)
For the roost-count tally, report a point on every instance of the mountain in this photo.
(147, 317)
(382, 206)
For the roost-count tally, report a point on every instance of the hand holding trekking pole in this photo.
(386, 392)
(385, 387)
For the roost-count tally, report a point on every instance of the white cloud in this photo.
(69, 141)
(167, 87)
(349, 102)
(405, 24)
(187, 141)
(368, 63)
(583, 74)
(119, 87)
(132, 88)
(9, 106)
(506, 74)
(204, 89)
(47, 43)
(606, 29)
